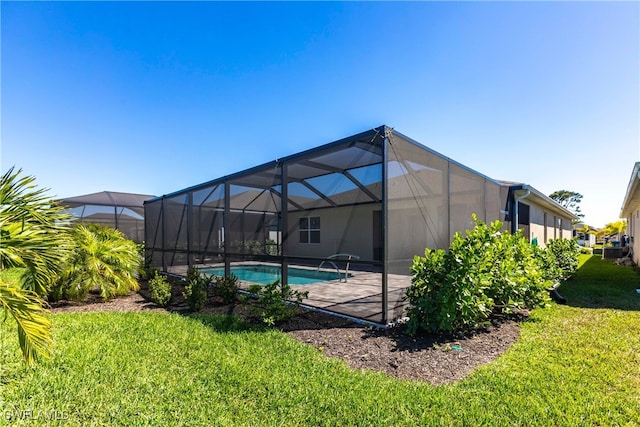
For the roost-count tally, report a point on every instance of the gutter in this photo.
(516, 199)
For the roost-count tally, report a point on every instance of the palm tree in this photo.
(33, 239)
(104, 259)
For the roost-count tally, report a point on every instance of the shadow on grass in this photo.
(601, 283)
(241, 316)
(224, 323)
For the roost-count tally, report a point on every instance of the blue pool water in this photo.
(265, 274)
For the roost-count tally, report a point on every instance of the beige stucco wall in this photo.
(567, 228)
(536, 231)
(334, 237)
(545, 225)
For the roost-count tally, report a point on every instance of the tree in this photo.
(617, 227)
(33, 241)
(568, 199)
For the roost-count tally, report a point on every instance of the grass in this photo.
(577, 364)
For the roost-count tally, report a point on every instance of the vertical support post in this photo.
(226, 231)
(164, 231)
(284, 213)
(385, 228)
(189, 224)
(243, 248)
(449, 202)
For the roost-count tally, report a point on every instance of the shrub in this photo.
(195, 293)
(276, 302)
(160, 290)
(102, 258)
(565, 254)
(549, 267)
(485, 271)
(226, 288)
(518, 277)
(271, 247)
(145, 271)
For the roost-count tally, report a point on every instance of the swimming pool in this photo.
(265, 274)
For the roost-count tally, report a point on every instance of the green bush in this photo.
(565, 254)
(160, 290)
(271, 247)
(486, 271)
(247, 247)
(518, 278)
(276, 302)
(195, 293)
(226, 288)
(146, 271)
(102, 258)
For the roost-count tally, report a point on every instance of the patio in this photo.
(360, 297)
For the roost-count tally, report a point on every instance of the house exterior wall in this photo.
(342, 230)
(631, 211)
(567, 228)
(545, 225)
(537, 225)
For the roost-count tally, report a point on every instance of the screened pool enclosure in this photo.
(122, 211)
(342, 221)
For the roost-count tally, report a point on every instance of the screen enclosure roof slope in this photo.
(347, 157)
(318, 177)
(106, 198)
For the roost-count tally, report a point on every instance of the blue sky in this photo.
(152, 97)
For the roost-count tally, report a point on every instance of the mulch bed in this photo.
(438, 359)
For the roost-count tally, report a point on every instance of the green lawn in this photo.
(577, 364)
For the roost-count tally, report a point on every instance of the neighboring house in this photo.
(631, 211)
(583, 238)
(378, 196)
(122, 211)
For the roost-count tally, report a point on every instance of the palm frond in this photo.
(26, 307)
(33, 231)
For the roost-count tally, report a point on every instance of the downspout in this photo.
(516, 199)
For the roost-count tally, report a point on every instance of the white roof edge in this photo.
(546, 199)
(553, 203)
(631, 188)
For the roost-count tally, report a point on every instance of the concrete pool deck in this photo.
(360, 296)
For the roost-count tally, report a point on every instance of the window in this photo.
(523, 214)
(309, 229)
